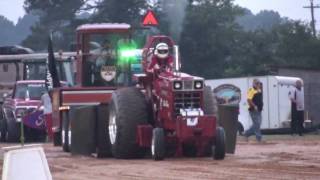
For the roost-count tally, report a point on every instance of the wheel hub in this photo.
(152, 146)
(69, 138)
(112, 128)
(63, 135)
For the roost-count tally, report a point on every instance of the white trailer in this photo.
(276, 112)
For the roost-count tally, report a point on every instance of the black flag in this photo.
(52, 78)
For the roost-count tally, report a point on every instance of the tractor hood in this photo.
(182, 81)
(179, 76)
(27, 103)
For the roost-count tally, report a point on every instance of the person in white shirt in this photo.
(296, 96)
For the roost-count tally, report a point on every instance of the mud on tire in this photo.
(128, 109)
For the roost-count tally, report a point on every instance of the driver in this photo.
(161, 59)
(105, 70)
(107, 54)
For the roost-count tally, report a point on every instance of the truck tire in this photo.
(158, 144)
(103, 139)
(219, 149)
(65, 132)
(57, 138)
(3, 128)
(128, 109)
(13, 131)
(209, 105)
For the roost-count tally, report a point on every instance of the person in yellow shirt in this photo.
(255, 102)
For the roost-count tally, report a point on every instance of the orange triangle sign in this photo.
(150, 19)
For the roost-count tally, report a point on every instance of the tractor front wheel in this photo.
(158, 144)
(219, 149)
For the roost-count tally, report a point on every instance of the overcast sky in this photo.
(13, 9)
(289, 8)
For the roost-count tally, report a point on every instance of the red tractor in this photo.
(168, 112)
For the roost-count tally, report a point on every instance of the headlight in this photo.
(177, 85)
(198, 84)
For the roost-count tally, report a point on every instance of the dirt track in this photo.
(281, 157)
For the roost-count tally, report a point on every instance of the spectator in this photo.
(255, 102)
(297, 108)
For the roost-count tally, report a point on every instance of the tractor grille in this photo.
(185, 100)
(187, 85)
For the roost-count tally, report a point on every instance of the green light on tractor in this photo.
(129, 55)
(127, 51)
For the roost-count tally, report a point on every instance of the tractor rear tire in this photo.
(219, 149)
(65, 132)
(209, 107)
(128, 109)
(158, 144)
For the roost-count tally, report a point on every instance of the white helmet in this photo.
(162, 50)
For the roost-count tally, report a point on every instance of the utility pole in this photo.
(313, 22)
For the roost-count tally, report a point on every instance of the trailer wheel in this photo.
(128, 109)
(158, 144)
(65, 132)
(209, 106)
(219, 149)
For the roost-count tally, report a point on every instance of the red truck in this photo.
(21, 73)
(24, 99)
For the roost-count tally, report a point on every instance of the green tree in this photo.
(119, 11)
(208, 36)
(7, 32)
(56, 17)
(296, 45)
(264, 20)
(253, 53)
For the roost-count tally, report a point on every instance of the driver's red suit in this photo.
(157, 66)
(165, 64)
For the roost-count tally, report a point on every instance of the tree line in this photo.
(12, 34)
(217, 38)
